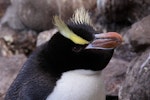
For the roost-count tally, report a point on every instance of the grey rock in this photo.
(139, 10)
(114, 75)
(115, 15)
(139, 34)
(45, 36)
(3, 6)
(6, 38)
(4, 49)
(113, 10)
(125, 52)
(7, 34)
(38, 14)
(11, 19)
(137, 83)
(16, 42)
(9, 68)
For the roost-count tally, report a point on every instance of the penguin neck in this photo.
(56, 54)
(79, 85)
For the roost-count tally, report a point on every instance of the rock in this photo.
(7, 34)
(139, 34)
(125, 52)
(45, 36)
(16, 42)
(9, 68)
(147, 1)
(114, 75)
(115, 15)
(25, 42)
(38, 14)
(113, 10)
(137, 83)
(139, 10)
(4, 49)
(6, 38)
(3, 5)
(11, 19)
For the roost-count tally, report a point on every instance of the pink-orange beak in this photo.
(108, 40)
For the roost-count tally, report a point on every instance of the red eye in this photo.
(77, 49)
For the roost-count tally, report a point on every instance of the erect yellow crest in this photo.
(80, 16)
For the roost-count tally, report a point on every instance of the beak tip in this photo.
(107, 40)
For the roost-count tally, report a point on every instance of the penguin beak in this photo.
(108, 40)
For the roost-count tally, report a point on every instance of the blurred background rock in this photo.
(26, 24)
(3, 6)
(38, 14)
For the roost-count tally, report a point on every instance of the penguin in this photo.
(69, 65)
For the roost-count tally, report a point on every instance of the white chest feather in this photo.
(79, 85)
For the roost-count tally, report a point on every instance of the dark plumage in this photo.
(38, 76)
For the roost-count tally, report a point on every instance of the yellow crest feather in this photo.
(66, 32)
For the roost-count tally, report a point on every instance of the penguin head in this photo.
(78, 29)
(77, 45)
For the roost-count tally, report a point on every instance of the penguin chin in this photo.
(92, 48)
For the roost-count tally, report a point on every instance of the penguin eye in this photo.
(77, 48)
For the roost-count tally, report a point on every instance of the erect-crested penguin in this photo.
(68, 66)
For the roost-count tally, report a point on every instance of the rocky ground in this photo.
(26, 24)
